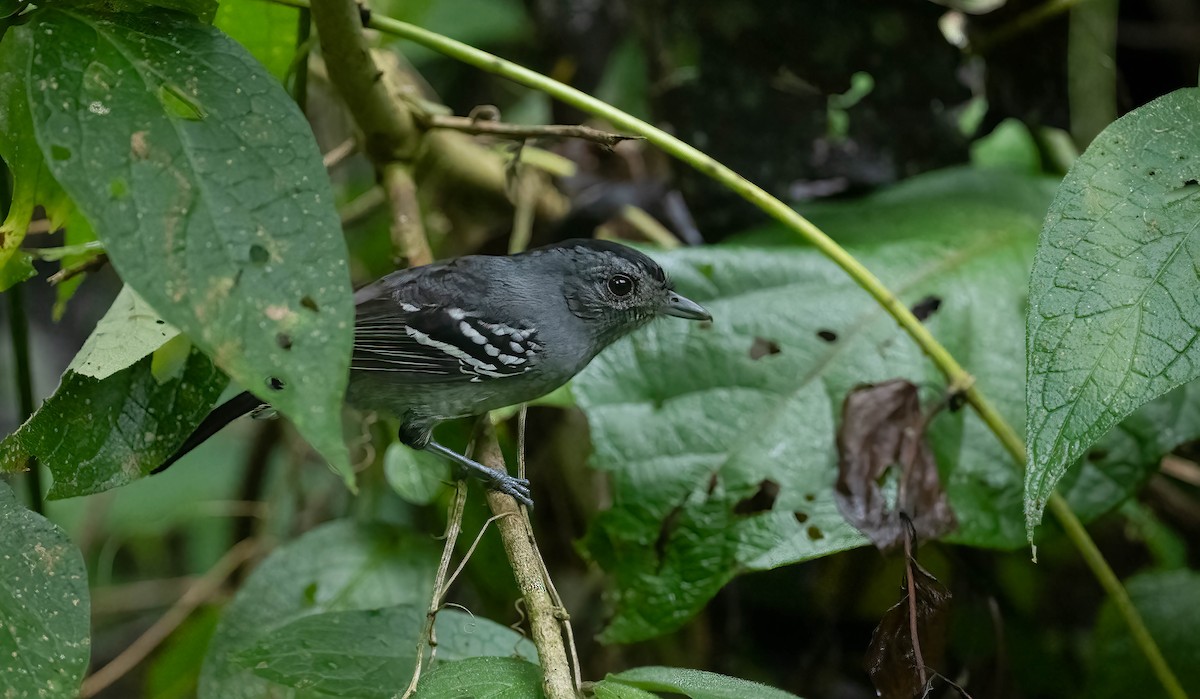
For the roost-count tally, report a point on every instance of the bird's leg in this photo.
(517, 488)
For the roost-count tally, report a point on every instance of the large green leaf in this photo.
(45, 611)
(483, 678)
(1114, 316)
(371, 652)
(32, 183)
(338, 567)
(692, 420)
(202, 179)
(99, 434)
(1170, 604)
(696, 684)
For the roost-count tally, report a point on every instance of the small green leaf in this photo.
(1009, 146)
(226, 226)
(267, 31)
(1169, 602)
(371, 652)
(129, 331)
(483, 678)
(416, 476)
(697, 684)
(340, 566)
(44, 606)
(1114, 317)
(94, 435)
(16, 269)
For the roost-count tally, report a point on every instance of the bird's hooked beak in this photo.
(681, 307)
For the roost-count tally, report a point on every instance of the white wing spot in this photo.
(477, 365)
(475, 336)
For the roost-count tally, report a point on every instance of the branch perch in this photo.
(527, 566)
(488, 127)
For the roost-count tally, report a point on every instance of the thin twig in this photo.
(471, 550)
(453, 528)
(339, 153)
(559, 607)
(524, 199)
(362, 206)
(139, 595)
(1181, 469)
(649, 227)
(527, 569)
(1022, 23)
(38, 227)
(485, 127)
(408, 234)
(88, 265)
(203, 589)
(909, 562)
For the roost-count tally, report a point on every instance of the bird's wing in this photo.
(397, 330)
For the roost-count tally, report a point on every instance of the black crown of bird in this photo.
(463, 336)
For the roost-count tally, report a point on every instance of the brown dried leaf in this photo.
(882, 428)
(900, 649)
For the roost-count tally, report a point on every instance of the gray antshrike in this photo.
(464, 336)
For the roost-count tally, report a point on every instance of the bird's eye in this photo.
(620, 284)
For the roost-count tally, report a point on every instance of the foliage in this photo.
(44, 602)
(170, 143)
(1114, 317)
(162, 134)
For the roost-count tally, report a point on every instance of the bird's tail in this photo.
(222, 415)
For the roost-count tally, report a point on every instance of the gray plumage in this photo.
(468, 335)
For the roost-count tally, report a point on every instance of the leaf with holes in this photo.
(1114, 317)
(44, 605)
(202, 179)
(720, 439)
(697, 422)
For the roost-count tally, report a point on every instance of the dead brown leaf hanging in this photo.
(883, 428)
(910, 637)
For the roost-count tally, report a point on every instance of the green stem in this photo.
(300, 79)
(19, 327)
(956, 376)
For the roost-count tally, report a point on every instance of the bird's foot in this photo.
(516, 488)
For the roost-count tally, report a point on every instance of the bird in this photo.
(466, 335)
